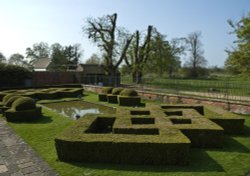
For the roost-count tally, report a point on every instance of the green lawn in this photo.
(231, 86)
(233, 159)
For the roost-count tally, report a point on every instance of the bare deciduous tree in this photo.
(112, 40)
(138, 55)
(196, 59)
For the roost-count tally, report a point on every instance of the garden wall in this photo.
(237, 107)
(52, 78)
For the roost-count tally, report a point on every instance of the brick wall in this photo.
(53, 78)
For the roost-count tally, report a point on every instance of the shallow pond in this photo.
(76, 109)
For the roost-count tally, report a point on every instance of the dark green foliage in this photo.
(13, 75)
(9, 102)
(12, 115)
(231, 123)
(129, 101)
(128, 93)
(117, 90)
(23, 103)
(107, 90)
(230, 126)
(101, 125)
(2, 94)
(137, 131)
(147, 147)
(198, 108)
(103, 97)
(112, 98)
(104, 92)
(204, 138)
(181, 121)
(7, 97)
(173, 113)
(140, 112)
(68, 93)
(142, 120)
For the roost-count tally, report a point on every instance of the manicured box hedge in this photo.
(103, 97)
(155, 135)
(112, 98)
(23, 116)
(136, 144)
(198, 108)
(129, 101)
(230, 122)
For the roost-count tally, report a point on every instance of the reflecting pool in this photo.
(77, 109)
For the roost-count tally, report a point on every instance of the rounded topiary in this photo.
(128, 93)
(24, 103)
(9, 102)
(7, 97)
(107, 90)
(116, 91)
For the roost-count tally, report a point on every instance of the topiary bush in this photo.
(2, 94)
(129, 97)
(23, 109)
(9, 102)
(104, 92)
(7, 97)
(107, 90)
(23, 103)
(117, 91)
(113, 97)
(128, 93)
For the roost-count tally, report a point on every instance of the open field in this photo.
(221, 88)
(233, 159)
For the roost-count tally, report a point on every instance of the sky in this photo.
(25, 22)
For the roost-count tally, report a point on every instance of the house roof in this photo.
(42, 63)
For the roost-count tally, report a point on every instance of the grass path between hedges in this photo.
(233, 159)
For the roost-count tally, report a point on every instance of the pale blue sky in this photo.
(25, 22)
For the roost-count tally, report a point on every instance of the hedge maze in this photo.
(155, 135)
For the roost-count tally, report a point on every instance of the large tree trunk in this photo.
(137, 77)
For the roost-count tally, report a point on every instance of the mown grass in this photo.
(233, 159)
(231, 86)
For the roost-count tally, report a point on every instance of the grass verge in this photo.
(233, 159)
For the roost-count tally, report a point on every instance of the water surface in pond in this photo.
(76, 109)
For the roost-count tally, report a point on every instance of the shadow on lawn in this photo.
(200, 161)
(232, 145)
(43, 120)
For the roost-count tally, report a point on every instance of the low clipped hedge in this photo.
(23, 116)
(113, 97)
(128, 93)
(142, 135)
(23, 103)
(23, 109)
(198, 108)
(94, 139)
(230, 122)
(69, 93)
(104, 92)
(129, 97)
(129, 101)
(9, 102)
(204, 138)
(2, 94)
(107, 90)
(117, 90)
